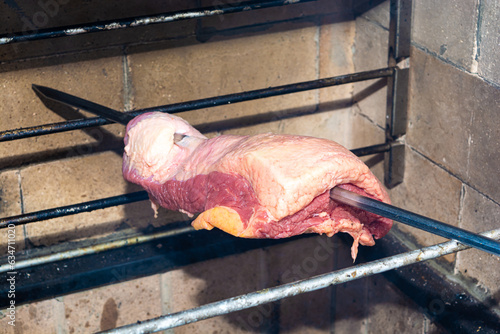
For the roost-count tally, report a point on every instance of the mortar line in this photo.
(368, 118)
(60, 316)
(451, 173)
(317, 38)
(375, 23)
(469, 141)
(21, 200)
(127, 85)
(477, 40)
(461, 204)
(319, 63)
(19, 182)
(475, 47)
(333, 295)
(457, 66)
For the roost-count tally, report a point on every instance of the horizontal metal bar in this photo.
(46, 129)
(273, 91)
(143, 20)
(416, 220)
(93, 249)
(73, 209)
(201, 103)
(292, 289)
(117, 200)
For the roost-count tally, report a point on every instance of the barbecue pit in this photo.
(341, 71)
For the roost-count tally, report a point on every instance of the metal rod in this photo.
(202, 103)
(143, 20)
(74, 209)
(79, 103)
(416, 220)
(119, 200)
(292, 289)
(46, 129)
(273, 91)
(93, 249)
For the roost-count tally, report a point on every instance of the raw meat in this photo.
(262, 186)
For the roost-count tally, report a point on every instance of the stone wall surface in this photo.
(452, 145)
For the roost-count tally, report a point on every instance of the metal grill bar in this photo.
(292, 289)
(121, 199)
(201, 103)
(93, 249)
(73, 209)
(144, 20)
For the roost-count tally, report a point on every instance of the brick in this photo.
(334, 116)
(74, 181)
(455, 125)
(446, 29)
(440, 111)
(377, 11)
(10, 205)
(430, 191)
(335, 56)
(483, 163)
(431, 327)
(331, 125)
(39, 317)
(112, 306)
(370, 53)
(306, 313)
(349, 307)
(98, 80)
(365, 133)
(302, 259)
(229, 66)
(480, 214)
(214, 280)
(398, 312)
(489, 36)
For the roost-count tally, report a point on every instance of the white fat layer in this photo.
(151, 146)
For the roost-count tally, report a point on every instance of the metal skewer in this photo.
(79, 103)
(96, 109)
(416, 220)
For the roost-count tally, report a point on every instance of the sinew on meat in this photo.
(261, 186)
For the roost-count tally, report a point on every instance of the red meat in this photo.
(262, 186)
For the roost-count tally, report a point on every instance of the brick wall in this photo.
(450, 148)
(453, 136)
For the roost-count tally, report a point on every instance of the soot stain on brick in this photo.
(109, 314)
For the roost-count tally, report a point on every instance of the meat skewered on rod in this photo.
(338, 194)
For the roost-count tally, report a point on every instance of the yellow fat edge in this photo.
(224, 218)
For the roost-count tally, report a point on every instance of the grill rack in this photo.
(397, 80)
